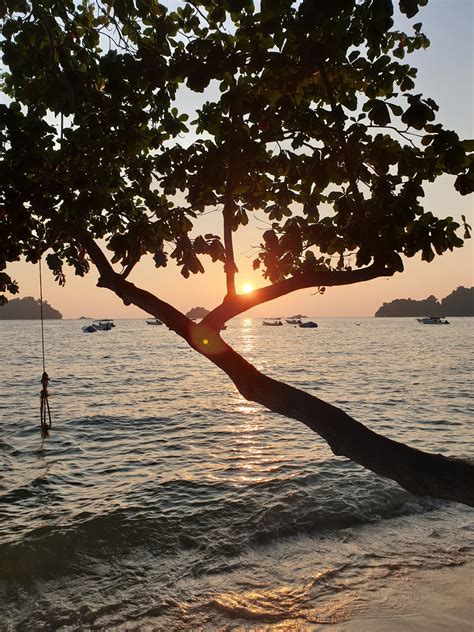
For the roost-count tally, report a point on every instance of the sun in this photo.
(246, 288)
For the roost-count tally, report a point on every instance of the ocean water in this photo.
(164, 501)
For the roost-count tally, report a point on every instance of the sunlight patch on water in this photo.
(289, 606)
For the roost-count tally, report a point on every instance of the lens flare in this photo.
(246, 288)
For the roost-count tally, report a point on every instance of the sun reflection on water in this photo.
(247, 336)
(288, 607)
(251, 458)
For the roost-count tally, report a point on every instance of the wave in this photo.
(212, 520)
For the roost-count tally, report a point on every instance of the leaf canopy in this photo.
(307, 114)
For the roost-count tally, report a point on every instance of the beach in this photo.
(164, 501)
(432, 601)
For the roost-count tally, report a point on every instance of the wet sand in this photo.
(431, 601)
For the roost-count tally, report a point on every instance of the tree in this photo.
(309, 115)
(459, 303)
(410, 307)
(28, 308)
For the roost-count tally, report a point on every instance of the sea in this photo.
(164, 501)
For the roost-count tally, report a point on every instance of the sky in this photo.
(446, 74)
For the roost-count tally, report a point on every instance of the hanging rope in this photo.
(45, 411)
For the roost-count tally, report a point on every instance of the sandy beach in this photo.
(430, 600)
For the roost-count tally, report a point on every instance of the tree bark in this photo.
(421, 473)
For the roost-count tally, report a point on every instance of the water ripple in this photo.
(167, 491)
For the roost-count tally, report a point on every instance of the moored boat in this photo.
(89, 329)
(155, 321)
(309, 325)
(98, 325)
(103, 325)
(274, 323)
(433, 320)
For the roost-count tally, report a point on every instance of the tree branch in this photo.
(228, 214)
(129, 293)
(419, 472)
(107, 275)
(404, 134)
(229, 204)
(234, 305)
(128, 268)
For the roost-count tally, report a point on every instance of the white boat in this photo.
(103, 325)
(433, 320)
(309, 325)
(293, 321)
(155, 321)
(274, 323)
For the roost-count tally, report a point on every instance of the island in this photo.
(28, 308)
(197, 312)
(459, 303)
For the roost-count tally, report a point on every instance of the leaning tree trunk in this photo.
(421, 473)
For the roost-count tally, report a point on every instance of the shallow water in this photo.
(163, 500)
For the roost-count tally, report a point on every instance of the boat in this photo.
(103, 325)
(293, 321)
(155, 321)
(98, 325)
(433, 320)
(309, 325)
(274, 323)
(89, 329)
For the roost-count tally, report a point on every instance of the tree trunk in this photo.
(421, 473)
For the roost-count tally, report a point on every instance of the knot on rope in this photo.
(45, 412)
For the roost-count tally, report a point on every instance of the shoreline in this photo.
(433, 600)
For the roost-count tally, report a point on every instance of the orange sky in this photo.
(445, 74)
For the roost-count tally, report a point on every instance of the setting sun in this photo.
(246, 288)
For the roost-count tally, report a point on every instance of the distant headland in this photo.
(28, 308)
(197, 312)
(459, 303)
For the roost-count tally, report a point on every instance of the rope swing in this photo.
(45, 411)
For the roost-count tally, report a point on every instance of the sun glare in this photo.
(246, 288)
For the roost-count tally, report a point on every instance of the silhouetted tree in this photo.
(309, 115)
(409, 307)
(459, 303)
(27, 308)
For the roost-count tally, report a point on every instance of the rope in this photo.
(45, 411)
(41, 311)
